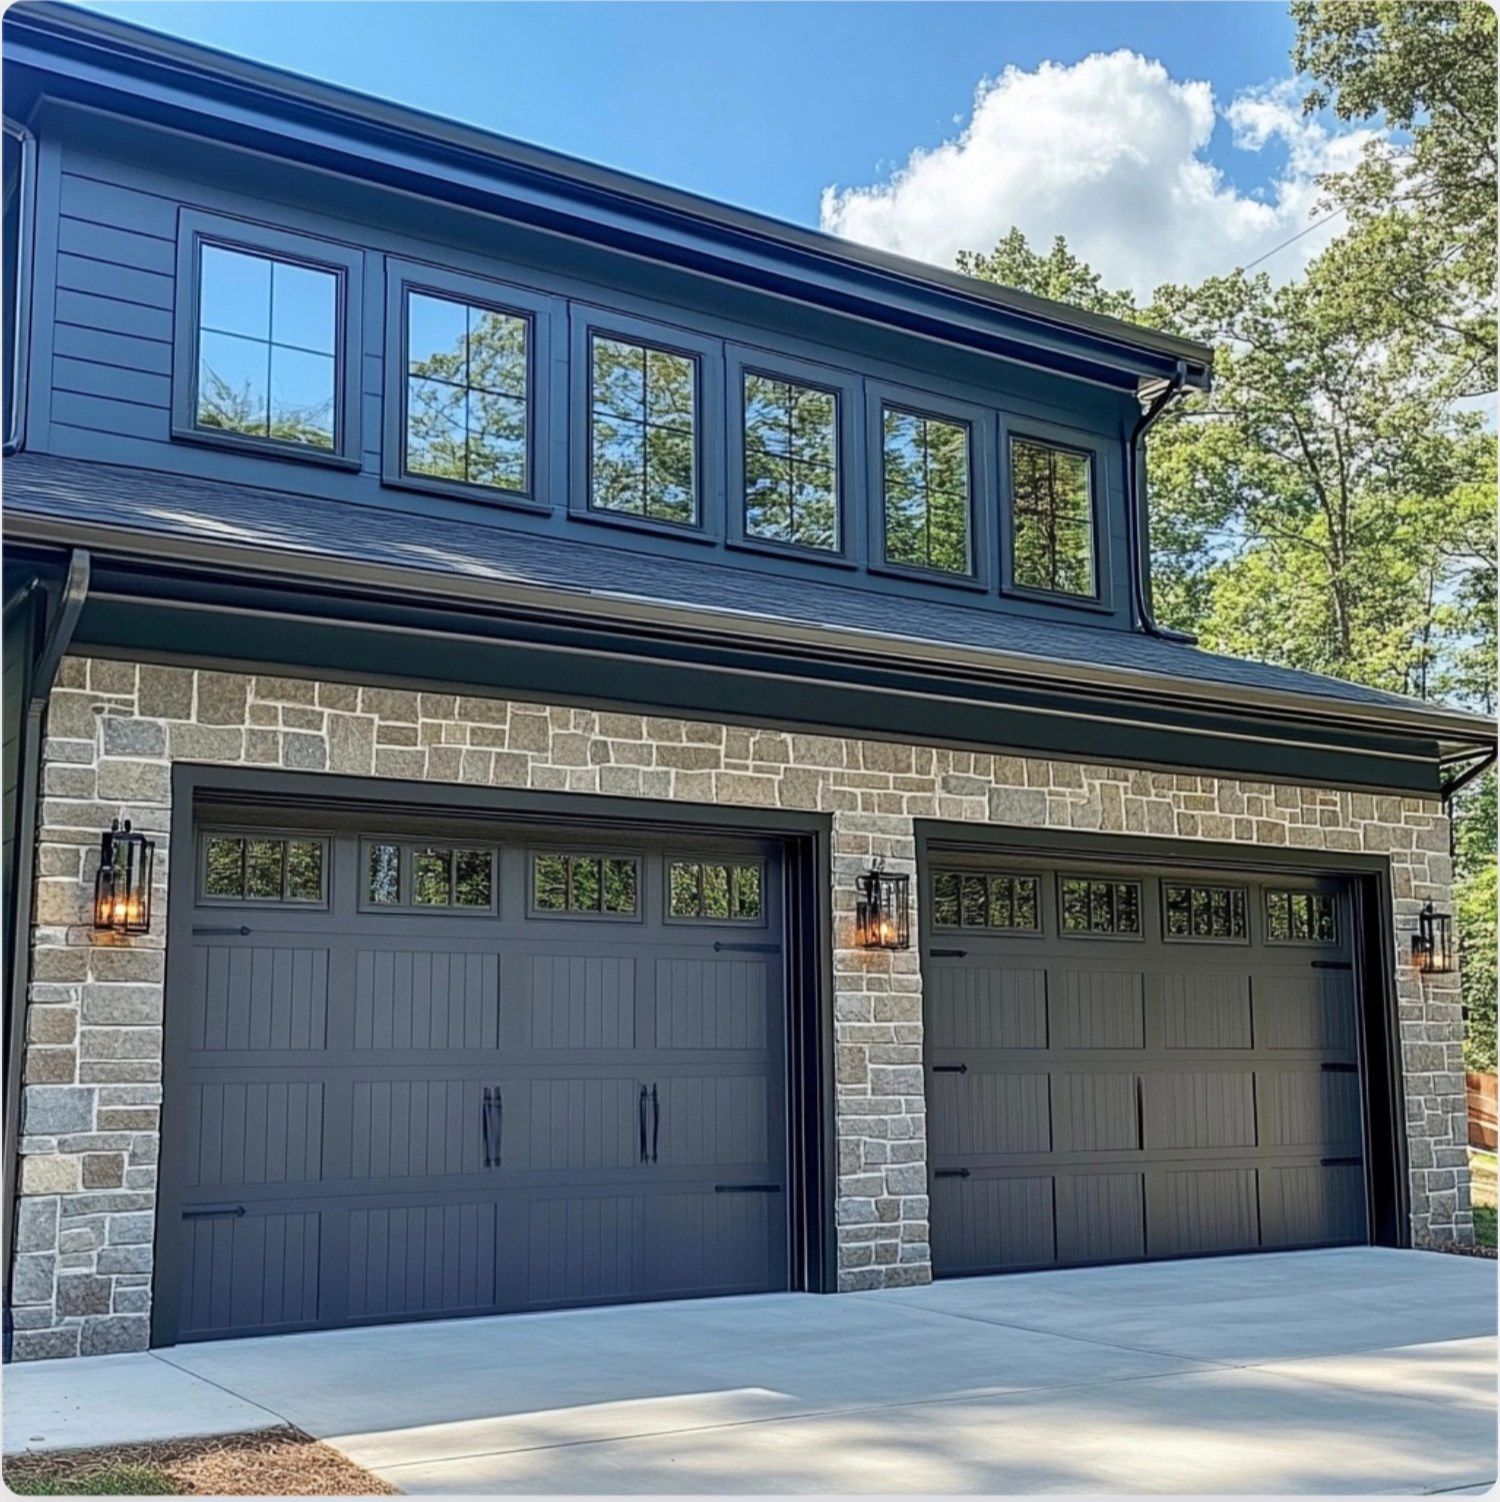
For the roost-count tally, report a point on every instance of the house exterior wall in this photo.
(93, 1066)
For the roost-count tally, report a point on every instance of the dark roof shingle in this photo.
(185, 507)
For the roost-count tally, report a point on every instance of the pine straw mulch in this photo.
(281, 1462)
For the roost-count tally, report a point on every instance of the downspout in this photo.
(55, 644)
(1139, 530)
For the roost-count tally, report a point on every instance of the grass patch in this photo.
(111, 1481)
(281, 1462)
(1482, 1193)
(1484, 1225)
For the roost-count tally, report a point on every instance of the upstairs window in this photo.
(791, 463)
(1052, 519)
(642, 408)
(267, 348)
(267, 340)
(467, 392)
(925, 491)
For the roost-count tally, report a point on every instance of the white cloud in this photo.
(1109, 152)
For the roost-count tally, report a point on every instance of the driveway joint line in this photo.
(176, 1367)
(1092, 1340)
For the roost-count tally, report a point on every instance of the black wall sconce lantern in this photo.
(122, 888)
(1432, 944)
(883, 915)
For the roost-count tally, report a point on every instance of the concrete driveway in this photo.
(1339, 1371)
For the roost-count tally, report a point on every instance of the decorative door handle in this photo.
(645, 1098)
(655, 1122)
(497, 1132)
(484, 1128)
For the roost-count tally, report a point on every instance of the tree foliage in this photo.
(1476, 878)
(1421, 204)
(1058, 275)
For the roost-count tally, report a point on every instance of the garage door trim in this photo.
(1373, 950)
(806, 845)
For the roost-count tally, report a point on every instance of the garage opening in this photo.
(1131, 1062)
(424, 1065)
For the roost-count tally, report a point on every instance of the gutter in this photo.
(1460, 780)
(55, 644)
(696, 623)
(1155, 406)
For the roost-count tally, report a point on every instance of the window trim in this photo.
(407, 848)
(18, 376)
(195, 228)
(743, 360)
(1065, 933)
(981, 424)
(532, 853)
(544, 400)
(1072, 441)
(712, 858)
(981, 930)
(208, 833)
(707, 354)
(1240, 941)
(1332, 897)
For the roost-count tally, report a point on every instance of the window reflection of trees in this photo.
(926, 469)
(466, 396)
(642, 412)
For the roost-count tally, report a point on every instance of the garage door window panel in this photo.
(1196, 914)
(262, 868)
(993, 900)
(565, 885)
(404, 876)
(1099, 907)
(1300, 917)
(715, 892)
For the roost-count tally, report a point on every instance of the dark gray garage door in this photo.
(1125, 1064)
(418, 1069)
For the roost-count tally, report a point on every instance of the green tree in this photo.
(1059, 275)
(1421, 204)
(1476, 878)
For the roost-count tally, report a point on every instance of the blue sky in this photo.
(770, 105)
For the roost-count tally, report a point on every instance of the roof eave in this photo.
(1455, 733)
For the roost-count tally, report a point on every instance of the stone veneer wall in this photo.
(93, 1067)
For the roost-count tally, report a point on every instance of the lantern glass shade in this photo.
(883, 913)
(1432, 944)
(122, 887)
